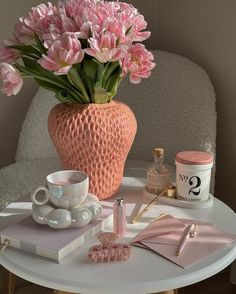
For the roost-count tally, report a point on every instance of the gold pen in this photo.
(189, 232)
(146, 208)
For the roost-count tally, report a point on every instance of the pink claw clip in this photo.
(108, 250)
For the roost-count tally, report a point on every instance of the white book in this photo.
(43, 241)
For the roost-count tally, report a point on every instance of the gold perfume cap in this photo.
(159, 151)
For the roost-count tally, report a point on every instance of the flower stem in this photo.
(75, 78)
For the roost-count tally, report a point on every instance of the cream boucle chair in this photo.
(175, 109)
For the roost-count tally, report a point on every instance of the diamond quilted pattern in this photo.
(96, 139)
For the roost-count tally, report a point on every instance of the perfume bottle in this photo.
(158, 176)
(119, 218)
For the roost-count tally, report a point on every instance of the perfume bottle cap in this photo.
(119, 201)
(159, 151)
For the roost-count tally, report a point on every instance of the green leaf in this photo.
(111, 83)
(33, 68)
(39, 44)
(90, 69)
(100, 73)
(89, 84)
(77, 96)
(34, 74)
(100, 94)
(26, 49)
(109, 71)
(68, 96)
(61, 92)
(63, 96)
(49, 86)
(78, 67)
(129, 29)
(75, 78)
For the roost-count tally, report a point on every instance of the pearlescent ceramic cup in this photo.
(64, 189)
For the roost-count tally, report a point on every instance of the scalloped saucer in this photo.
(60, 218)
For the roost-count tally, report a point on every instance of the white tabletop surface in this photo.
(144, 272)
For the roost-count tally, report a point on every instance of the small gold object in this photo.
(171, 192)
(159, 151)
(146, 208)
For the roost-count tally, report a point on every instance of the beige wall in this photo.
(204, 31)
(13, 108)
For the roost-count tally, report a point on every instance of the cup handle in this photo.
(34, 196)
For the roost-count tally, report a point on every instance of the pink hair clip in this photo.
(108, 250)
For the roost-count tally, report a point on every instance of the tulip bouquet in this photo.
(79, 49)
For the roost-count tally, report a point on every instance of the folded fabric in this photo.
(164, 235)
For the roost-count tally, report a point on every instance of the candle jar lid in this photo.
(194, 157)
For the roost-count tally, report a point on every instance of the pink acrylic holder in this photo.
(108, 250)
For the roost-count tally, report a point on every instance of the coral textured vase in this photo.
(95, 139)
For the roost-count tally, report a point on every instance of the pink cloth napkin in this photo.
(163, 237)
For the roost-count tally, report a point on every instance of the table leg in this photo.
(8, 282)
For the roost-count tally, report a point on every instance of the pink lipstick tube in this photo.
(119, 218)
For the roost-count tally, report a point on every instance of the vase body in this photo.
(95, 139)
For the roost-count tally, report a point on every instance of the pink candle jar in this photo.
(193, 175)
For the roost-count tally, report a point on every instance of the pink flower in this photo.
(41, 11)
(87, 21)
(139, 24)
(50, 38)
(12, 81)
(26, 27)
(24, 31)
(8, 54)
(68, 23)
(50, 28)
(134, 23)
(63, 53)
(138, 62)
(105, 48)
(112, 25)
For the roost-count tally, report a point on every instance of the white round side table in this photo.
(144, 272)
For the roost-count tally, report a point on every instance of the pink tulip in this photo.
(63, 53)
(112, 25)
(50, 38)
(139, 24)
(24, 31)
(41, 11)
(7, 54)
(134, 23)
(91, 15)
(105, 48)
(50, 24)
(26, 27)
(12, 81)
(50, 28)
(87, 21)
(68, 24)
(138, 62)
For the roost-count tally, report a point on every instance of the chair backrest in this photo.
(34, 141)
(175, 109)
